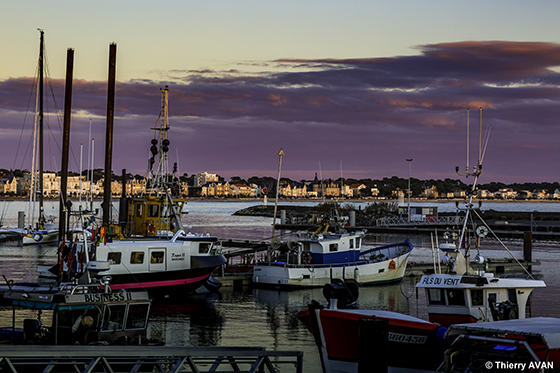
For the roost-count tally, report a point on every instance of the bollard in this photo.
(21, 219)
(352, 220)
(528, 248)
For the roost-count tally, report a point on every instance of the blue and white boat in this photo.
(316, 259)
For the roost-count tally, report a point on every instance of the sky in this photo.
(351, 88)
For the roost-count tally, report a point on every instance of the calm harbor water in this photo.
(268, 318)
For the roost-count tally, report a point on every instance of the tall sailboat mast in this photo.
(41, 77)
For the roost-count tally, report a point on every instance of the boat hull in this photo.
(411, 344)
(284, 275)
(163, 283)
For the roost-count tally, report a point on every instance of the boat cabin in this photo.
(455, 298)
(80, 314)
(329, 248)
(149, 216)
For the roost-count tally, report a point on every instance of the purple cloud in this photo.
(369, 113)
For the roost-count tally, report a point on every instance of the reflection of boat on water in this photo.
(187, 321)
(456, 293)
(509, 345)
(351, 340)
(383, 297)
(315, 259)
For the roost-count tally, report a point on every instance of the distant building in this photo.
(506, 193)
(204, 178)
(9, 185)
(540, 194)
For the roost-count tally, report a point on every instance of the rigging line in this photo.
(500, 241)
(486, 139)
(57, 110)
(33, 83)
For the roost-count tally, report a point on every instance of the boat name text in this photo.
(109, 297)
(443, 281)
(406, 338)
(175, 257)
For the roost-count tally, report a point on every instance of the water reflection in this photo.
(187, 321)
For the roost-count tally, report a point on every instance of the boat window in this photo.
(137, 316)
(512, 296)
(351, 243)
(477, 298)
(358, 242)
(156, 257)
(456, 297)
(139, 208)
(165, 211)
(306, 246)
(333, 247)
(114, 258)
(67, 317)
(153, 211)
(204, 247)
(435, 296)
(113, 317)
(137, 257)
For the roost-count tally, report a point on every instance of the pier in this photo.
(87, 359)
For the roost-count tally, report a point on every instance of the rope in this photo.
(505, 247)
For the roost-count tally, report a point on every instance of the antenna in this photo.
(478, 168)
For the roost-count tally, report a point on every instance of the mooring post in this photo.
(373, 350)
(528, 249)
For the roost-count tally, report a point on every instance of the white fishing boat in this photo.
(316, 259)
(150, 248)
(457, 293)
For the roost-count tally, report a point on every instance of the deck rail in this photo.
(441, 220)
(87, 359)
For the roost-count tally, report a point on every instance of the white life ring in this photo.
(481, 231)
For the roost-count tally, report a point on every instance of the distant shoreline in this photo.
(305, 200)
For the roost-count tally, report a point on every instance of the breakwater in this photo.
(505, 224)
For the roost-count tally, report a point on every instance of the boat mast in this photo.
(164, 161)
(64, 208)
(41, 73)
(109, 134)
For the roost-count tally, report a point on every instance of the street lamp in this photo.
(409, 160)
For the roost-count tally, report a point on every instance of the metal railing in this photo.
(87, 359)
(442, 220)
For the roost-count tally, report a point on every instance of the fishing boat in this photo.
(76, 313)
(457, 293)
(314, 260)
(355, 340)
(150, 249)
(508, 345)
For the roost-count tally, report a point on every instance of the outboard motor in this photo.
(341, 294)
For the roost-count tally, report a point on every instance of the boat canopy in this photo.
(545, 328)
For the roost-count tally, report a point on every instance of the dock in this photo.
(85, 359)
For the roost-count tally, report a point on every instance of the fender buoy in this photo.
(151, 229)
(306, 257)
(392, 264)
